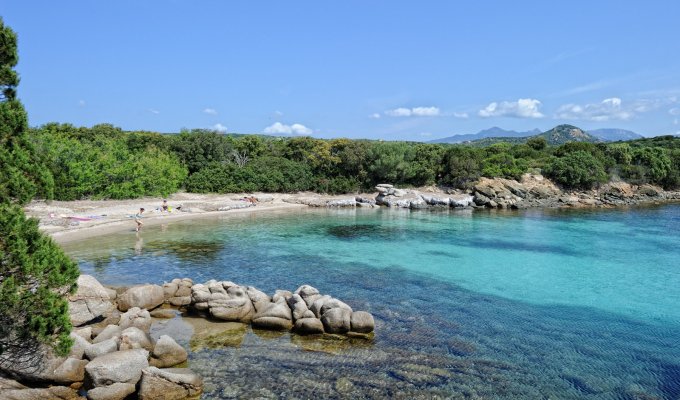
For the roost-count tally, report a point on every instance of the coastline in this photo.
(68, 221)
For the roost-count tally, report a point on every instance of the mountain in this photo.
(567, 133)
(486, 133)
(613, 135)
(558, 135)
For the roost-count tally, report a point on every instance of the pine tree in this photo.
(35, 274)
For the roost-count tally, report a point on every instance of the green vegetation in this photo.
(106, 162)
(34, 272)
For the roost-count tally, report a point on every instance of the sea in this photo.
(524, 304)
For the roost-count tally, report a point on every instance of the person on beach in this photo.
(138, 219)
(164, 206)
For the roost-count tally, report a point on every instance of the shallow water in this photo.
(530, 304)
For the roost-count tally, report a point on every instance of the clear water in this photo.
(532, 304)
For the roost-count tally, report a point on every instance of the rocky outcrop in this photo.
(90, 301)
(390, 196)
(143, 296)
(223, 300)
(114, 391)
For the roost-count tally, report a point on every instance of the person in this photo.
(164, 206)
(138, 219)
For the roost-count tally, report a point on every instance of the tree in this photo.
(34, 272)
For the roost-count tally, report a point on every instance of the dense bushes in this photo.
(579, 170)
(99, 163)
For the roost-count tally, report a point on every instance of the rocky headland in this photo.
(115, 357)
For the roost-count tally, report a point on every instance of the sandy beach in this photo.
(67, 221)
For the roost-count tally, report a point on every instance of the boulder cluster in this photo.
(114, 357)
(305, 311)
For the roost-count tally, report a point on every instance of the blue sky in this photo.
(372, 69)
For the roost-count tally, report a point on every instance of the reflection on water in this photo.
(517, 305)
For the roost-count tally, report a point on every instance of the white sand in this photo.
(109, 216)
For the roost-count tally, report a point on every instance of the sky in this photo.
(391, 70)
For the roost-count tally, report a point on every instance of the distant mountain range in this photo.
(597, 135)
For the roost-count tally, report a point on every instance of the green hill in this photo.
(556, 136)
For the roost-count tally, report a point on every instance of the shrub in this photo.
(578, 169)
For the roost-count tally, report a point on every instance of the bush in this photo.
(578, 170)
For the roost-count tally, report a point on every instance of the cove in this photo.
(532, 304)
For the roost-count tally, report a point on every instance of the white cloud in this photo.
(399, 112)
(278, 113)
(219, 127)
(425, 134)
(522, 108)
(414, 112)
(374, 116)
(279, 128)
(425, 111)
(81, 103)
(608, 109)
(463, 115)
(210, 111)
(674, 111)
(153, 111)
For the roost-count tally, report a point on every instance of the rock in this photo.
(281, 294)
(480, 199)
(459, 201)
(90, 301)
(200, 293)
(51, 393)
(112, 293)
(101, 348)
(649, 191)
(167, 353)
(134, 338)
(163, 313)
(137, 318)
(122, 366)
(179, 301)
(333, 303)
(169, 384)
(71, 370)
(143, 296)
(417, 204)
(85, 333)
(276, 316)
(340, 203)
(115, 391)
(236, 307)
(258, 298)
(308, 293)
(361, 322)
(318, 303)
(109, 332)
(337, 320)
(297, 306)
(308, 326)
(170, 288)
(79, 346)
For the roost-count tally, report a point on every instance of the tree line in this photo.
(107, 162)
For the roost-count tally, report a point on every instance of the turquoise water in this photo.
(527, 304)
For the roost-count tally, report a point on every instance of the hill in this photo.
(492, 132)
(613, 135)
(567, 133)
(558, 135)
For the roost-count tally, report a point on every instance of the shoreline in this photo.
(69, 221)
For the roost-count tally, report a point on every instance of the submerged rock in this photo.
(169, 384)
(167, 353)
